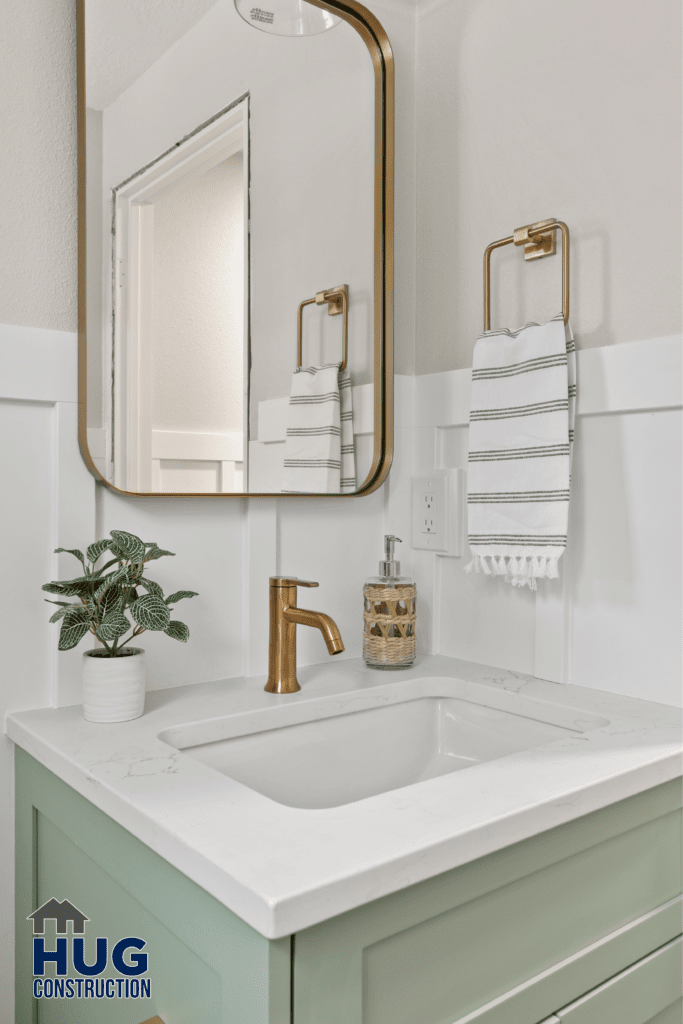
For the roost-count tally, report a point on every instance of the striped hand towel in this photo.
(521, 435)
(319, 454)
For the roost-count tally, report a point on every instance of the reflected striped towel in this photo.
(521, 435)
(319, 455)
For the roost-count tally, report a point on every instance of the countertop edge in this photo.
(278, 918)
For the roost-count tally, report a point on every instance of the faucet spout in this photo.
(326, 625)
(285, 616)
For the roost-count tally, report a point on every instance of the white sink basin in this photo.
(339, 756)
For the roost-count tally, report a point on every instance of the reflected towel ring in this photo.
(538, 240)
(337, 300)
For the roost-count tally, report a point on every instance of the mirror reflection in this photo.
(230, 248)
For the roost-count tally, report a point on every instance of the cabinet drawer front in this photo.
(449, 965)
(672, 1015)
(636, 995)
(456, 947)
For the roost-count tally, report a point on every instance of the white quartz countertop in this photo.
(284, 868)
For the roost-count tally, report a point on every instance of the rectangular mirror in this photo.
(235, 246)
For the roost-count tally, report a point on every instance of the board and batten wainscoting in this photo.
(612, 621)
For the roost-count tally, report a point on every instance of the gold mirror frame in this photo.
(375, 38)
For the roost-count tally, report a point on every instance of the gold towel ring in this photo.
(337, 300)
(538, 240)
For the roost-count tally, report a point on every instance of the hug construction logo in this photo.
(74, 978)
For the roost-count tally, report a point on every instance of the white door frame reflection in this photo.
(152, 456)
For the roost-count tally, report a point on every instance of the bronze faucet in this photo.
(284, 618)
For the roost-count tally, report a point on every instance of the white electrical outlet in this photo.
(439, 512)
(429, 508)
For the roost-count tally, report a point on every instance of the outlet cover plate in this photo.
(444, 536)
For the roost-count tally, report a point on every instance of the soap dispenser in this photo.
(389, 614)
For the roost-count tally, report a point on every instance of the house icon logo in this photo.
(61, 913)
(72, 970)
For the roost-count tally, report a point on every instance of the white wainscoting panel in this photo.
(197, 445)
(38, 380)
(47, 502)
(625, 587)
(260, 562)
(206, 535)
(618, 610)
(337, 542)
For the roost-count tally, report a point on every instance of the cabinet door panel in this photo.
(182, 984)
(205, 964)
(634, 996)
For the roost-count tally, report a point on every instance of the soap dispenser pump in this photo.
(389, 613)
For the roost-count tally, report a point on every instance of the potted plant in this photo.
(114, 674)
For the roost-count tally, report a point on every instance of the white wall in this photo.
(529, 110)
(38, 117)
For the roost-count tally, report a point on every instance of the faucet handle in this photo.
(290, 581)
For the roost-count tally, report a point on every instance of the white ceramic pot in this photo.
(114, 688)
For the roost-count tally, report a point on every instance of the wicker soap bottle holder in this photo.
(389, 614)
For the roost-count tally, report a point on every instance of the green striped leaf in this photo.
(60, 613)
(156, 552)
(77, 613)
(70, 588)
(121, 576)
(111, 600)
(178, 630)
(180, 594)
(96, 549)
(72, 551)
(112, 627)
(131, 546)
(74, 627)
(151, 587)
(69, 636)
(150, 612)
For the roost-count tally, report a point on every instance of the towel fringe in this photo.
(519, 571)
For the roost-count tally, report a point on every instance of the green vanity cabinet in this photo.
(206, 966)
(577, 925)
